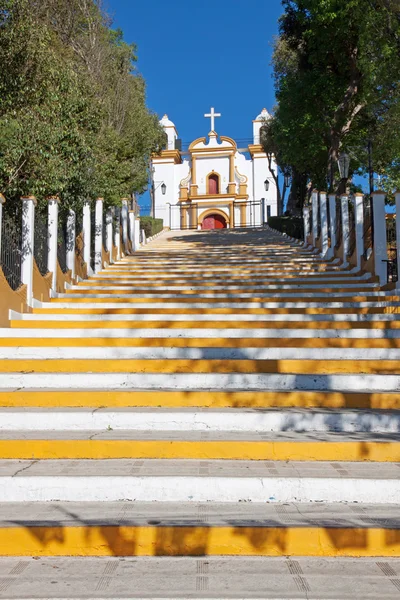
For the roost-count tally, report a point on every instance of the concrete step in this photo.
(205, 362)
(198, 529)
(243, 319)
(204, 420)
(214, 352)
(217, 400)
(190, 337)
(184, 578)
(87, 379)
(347, 340)
(222, 481)
(199, 445)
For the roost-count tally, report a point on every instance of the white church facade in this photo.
(214, 184)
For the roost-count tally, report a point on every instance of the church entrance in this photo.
(214, 221)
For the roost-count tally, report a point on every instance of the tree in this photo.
(336, 70)
(73, 115)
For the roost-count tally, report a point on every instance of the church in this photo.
(213, 184)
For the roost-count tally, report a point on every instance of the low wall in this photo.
(10, 300)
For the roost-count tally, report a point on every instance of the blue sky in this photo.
(195, 55)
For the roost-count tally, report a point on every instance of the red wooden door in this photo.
(214, 222)
(213, 185)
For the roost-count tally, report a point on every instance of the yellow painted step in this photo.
(203, 399)
(197, 541)
(303, 367)
(100, 449)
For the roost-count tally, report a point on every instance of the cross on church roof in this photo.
(212, 115)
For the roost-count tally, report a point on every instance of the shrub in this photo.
(293, 226)
(151, 226)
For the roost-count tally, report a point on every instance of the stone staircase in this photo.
(213, 417)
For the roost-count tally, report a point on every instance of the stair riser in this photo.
(197, 541)
(201, 364)
(206, 399)
(194, 489)
(184, 421)
(27, 448)
(189, 382)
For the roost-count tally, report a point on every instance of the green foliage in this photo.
(73, 116)
(337, 67)
(151, 226)
(292, 226)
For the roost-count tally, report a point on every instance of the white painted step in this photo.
(201, 333)
(198, 481)
(200, 420)
(215, 514)
(154, 316)
(164, 353)
(200, 578)
(200, 381)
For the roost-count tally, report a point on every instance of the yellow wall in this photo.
(10, 299)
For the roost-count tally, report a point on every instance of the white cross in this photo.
(213, 114)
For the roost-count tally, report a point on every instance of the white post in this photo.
(109, 235)
(117, 233)
(306, 219)
(324, 224)
(124, 221)
(344, 201)
(87, 227)
(132, 228)
(359, 224)
(380, 243)
(137, 234)
(314, 203)
(70, 242)
(27, 246)
(98, 236)
(52, 239)
(2, 200)
(397, 196)
(332, 222)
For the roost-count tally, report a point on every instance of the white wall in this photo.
(205, 166)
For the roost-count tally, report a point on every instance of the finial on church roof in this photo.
(165, 122)
(264, 114)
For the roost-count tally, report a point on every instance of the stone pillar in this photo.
(124, 222)
(380, 244)
(397, 196)
(27, 246)
(2, 200)
(314, 203)
(70, 242)
(132, 217)
(98, 236)
(359, 223)
(306, 219)
(344, 201)
(137, 234)
(117, 233)
(324, 224)
(332, 222)
(109, 236)
(87, 231)
(52, 239)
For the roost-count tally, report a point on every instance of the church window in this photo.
(213, 184)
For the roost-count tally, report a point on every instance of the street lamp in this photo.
(266, 185)
(163, 189)
(287, 179)
(344, 165)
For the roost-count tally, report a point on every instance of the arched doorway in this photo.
(214, 221)
(213, 185)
